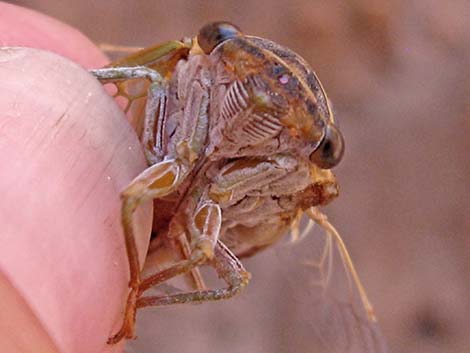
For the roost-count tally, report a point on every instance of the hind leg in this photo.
(228, 267)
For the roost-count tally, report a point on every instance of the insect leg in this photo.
(155, 108)
(113, 74)
(204, 229)
(198, 281)
(154, 122)
(156, 181)
(228, 267)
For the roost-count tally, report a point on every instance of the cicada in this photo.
(240, 140)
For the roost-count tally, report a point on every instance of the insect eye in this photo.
(331, 149)
(215, 33)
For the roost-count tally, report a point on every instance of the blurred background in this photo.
(398, 75)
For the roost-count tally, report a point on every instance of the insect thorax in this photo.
(214, 114)
(229, 127)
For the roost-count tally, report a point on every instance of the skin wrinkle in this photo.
(48, 135)
(82, 200)
(70, 107)
(56, 128)
(72, 103)
(57, 122)
(102, 174)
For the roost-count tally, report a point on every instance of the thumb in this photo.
(66, 152)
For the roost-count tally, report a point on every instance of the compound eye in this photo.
(331, 149)
(215, 33)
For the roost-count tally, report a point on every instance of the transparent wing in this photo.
(114, 52)
(333, 313)
(132, 97)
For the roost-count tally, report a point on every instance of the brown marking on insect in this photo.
(250, 56)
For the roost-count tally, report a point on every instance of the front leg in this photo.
(113, 74)
(155, 108)
(157, 181)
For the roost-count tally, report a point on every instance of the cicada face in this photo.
(285, 99)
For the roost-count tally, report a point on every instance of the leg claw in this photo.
(127, 329)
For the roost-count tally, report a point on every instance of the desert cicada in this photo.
(240, 139)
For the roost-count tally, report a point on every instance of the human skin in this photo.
(66, 151)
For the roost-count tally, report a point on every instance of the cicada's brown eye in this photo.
(331, 149)
(215, 33)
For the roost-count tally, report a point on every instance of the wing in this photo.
(334, 315)
(132, 94)
(114, 52)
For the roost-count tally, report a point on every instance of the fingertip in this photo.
(68, 152)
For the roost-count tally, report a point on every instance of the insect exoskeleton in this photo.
(240, 139)
(266, 99)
